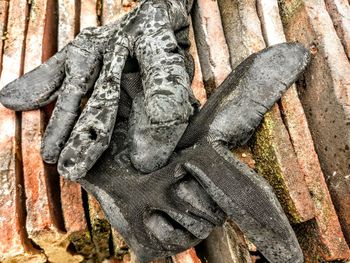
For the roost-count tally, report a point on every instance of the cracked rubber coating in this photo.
(177, 206)
(155, 34)
(246, 95)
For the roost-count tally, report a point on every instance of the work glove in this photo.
(152, 39)
(177, 206)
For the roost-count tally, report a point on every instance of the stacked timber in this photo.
(302, 146)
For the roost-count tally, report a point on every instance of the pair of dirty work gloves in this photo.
(161, 168)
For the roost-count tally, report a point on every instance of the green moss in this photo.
(268, 166)
(82, 244)
(101, 231)
(120, 247)
(288, 8)
(308, 238)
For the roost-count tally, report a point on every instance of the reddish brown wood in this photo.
(189, 256)
(67, 29)
(214, 58)
(14, 243)
(329, 234)
(4, 6)
(324, 94)
(44, 220)
(88, 14)
(339, 10)
(110, 10)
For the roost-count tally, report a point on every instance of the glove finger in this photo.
(92, 132)
(237, 107)
(248, 200)
(198, 227)
(162, 227)
(82, 68)
(150, 143)
(36, 88)
(199, 202)
(168, 98)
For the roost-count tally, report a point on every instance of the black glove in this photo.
(155, 34)
(169, 210)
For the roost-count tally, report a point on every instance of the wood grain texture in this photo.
(329, 235)
(273, 150)
(14, 243)
(324, 93)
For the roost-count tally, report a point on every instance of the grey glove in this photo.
(155, 34)
(175, 207)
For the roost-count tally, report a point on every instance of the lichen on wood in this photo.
(288, 9)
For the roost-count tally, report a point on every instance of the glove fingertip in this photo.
(70, 170)
(37, 87)
(48, 155)
(11, 98)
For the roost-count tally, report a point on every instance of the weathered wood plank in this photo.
(339, 10)
(241, 27)
(329, 236)
(214, 58)
(225, 245)
(4, 8)
(88, 14)
(324, 93)
(44, 218)
(14, 243)
(273, 151)
(189, 256)
(110, 10)
(13, 45)
(67, 21)
(74, 219)
(113, 10)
